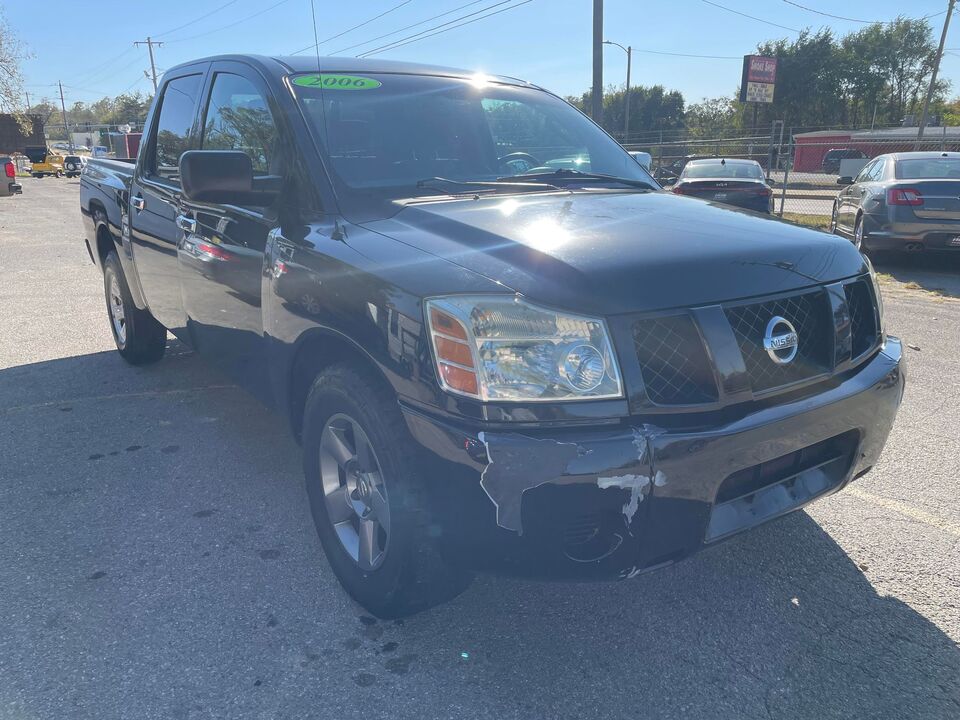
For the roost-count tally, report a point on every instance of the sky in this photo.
(547, 42)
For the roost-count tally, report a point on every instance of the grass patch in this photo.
(818, 222)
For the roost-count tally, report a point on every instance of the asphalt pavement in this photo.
(159, 560)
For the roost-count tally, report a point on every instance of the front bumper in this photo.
(613, 501)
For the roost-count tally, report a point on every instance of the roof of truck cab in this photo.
(284, 65)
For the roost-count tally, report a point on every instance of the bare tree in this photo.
(12, 52)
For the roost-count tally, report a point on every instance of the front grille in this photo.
(810, 315)
(863, 320)
(673, 361)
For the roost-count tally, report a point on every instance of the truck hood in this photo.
(611, 252)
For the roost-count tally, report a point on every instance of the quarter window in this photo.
(177, 107)
(238, 118)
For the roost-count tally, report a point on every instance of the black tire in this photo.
(412, 575)
(140, 339)
(59, 173)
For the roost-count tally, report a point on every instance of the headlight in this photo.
(500, 348)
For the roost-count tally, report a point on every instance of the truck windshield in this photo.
(382, 134)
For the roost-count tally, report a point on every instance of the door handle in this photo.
(137, 202)
(187, 224)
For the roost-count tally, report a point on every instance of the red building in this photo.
(809, 148)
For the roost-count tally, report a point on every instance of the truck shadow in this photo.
(776, 623)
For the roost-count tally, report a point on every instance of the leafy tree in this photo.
(651, 108)
(712, 117)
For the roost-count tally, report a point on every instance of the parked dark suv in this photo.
(831, 161)
(499, 342)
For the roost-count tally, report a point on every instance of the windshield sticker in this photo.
(336, 82)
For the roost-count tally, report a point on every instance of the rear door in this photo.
(155, 195)
(849, 199)
(221, 257)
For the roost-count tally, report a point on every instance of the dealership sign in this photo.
(759, 79)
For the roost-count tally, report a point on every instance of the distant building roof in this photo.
(893, 133)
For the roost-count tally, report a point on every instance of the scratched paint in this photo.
(517, 463)
(634, 483)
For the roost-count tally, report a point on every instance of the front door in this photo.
(155, 198)
(221, 255)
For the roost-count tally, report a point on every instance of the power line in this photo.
(96, 69)
(355, 27)
(421, 36)
(198, 19)
(435, 27)
(233, 24)
(407, 27)
(688, 55)
(850, 19)
(742, 14)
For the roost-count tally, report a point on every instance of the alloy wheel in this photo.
(117, 314)
(354, 491)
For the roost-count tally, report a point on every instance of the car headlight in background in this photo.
(502, 348)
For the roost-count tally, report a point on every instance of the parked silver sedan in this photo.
(902, 201)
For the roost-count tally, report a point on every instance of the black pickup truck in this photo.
(500, 343)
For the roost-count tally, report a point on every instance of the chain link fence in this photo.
(805, 167)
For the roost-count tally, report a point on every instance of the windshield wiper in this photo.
(565, 174)
(437, 183)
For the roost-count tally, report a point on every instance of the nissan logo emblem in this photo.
(780, 340)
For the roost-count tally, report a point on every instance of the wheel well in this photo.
(105, 240)
(314, 355)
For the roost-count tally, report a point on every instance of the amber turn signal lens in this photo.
(455, 352)
(459, 379)
(443, 323)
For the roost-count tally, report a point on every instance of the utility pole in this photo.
(933, 75)
(63, 107)
(626, 109)
(153, 68)
(596, 96)
(28, 99)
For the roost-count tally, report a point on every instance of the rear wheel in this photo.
(139, 337)
(368, 497)
(59, 173)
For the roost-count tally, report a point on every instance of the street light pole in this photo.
(626, 110)
(596, 96)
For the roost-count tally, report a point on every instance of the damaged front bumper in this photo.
(614, 501)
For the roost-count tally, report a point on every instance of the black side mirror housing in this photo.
(845, 180)
(224, 176)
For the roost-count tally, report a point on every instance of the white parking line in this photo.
(921, 516)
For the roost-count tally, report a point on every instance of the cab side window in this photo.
(238, 118)
(177, 107)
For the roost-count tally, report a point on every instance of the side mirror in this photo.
(224, 176)
(845, 180)
(771, 181)
(669, 181)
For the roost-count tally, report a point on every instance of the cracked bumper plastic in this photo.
(613, 501)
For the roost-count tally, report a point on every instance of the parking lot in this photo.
(160, 561)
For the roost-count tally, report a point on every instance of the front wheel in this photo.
(139, 337)
(368, 497)
(833, 220)
(858, 234)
